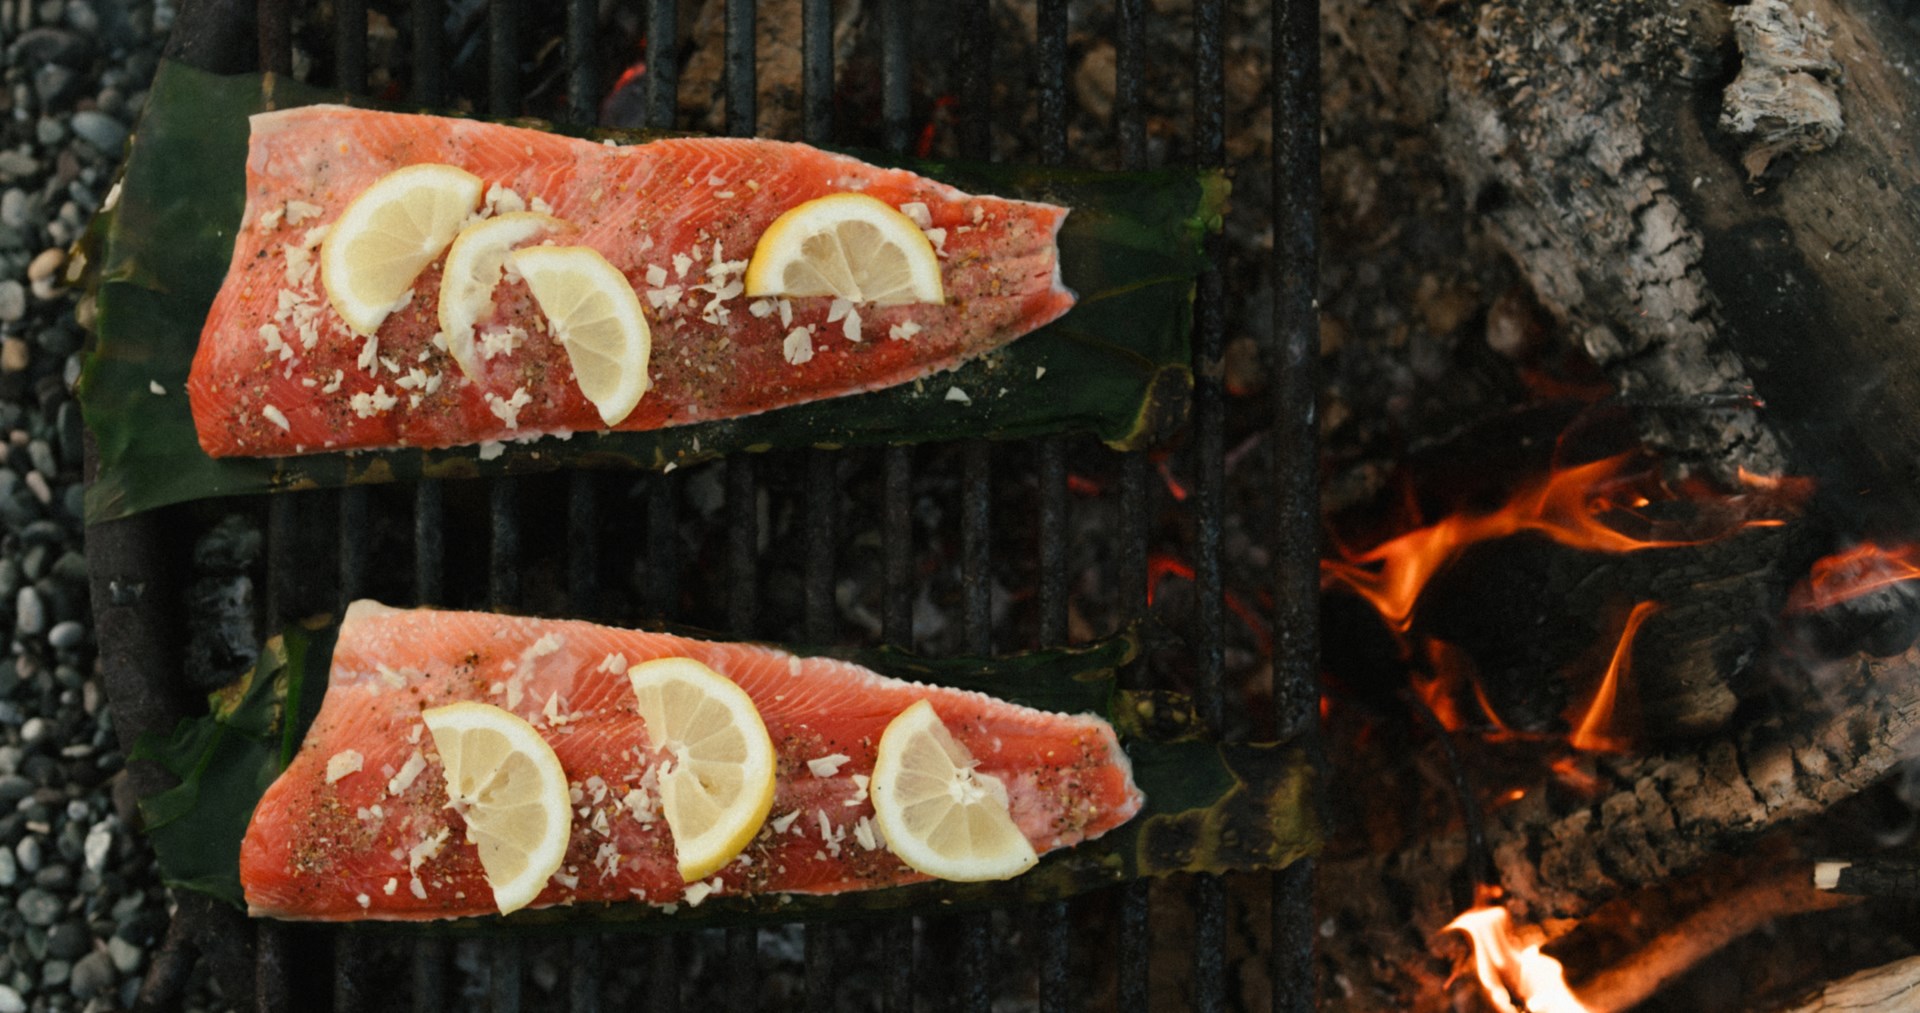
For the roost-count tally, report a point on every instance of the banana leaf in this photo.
(1117, 364)
(1210, 806)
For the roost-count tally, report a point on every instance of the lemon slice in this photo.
(474, 263)
(939, 815)
(508, 784)
(389, 234)
(720, 786)
(597, 317)
(847, 245)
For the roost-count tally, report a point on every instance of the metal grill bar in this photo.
(822, 479)
(741, 96)
(1296, 548)
(429, 71)
(276, 37)
(976, 559)
(896, 609)
(1055, 993)
(503, 57)
(1130, 125)
(505, 957)
(660, 596)
(350, 45)
(1210, 896)
(586, 965)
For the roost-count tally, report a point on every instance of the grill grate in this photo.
(133, 630)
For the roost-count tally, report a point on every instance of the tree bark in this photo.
(1592, 137)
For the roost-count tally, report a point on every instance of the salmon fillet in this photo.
(278, 372)
(380, 842)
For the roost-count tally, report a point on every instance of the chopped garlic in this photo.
(656, 275)
(275, 416)
(299, 211)
(507, 410)
(827, 766)
(393, 883)
(681, 262)
(917, 212)
(798, 347)
(903, 330)
(761, 308)
(344, 762)
(1039, 371)
(838, 308)
(425, 851)
(697, 892)
(613, 664)
(938, 237)
(154, 386)
(956, 394)
(851, 328)
(863, 832)
(408, 771)
(418, 888)
(781, 823)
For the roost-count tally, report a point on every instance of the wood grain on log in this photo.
(1592, 135)
(1892, 988)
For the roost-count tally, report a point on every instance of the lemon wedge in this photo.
(719, 788)
(507, 783)
(847, 245)
(939, 814)
(474, 264)
(597, 317)
(389, 234)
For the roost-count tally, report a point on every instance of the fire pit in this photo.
(975, 547)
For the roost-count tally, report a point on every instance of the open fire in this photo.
(1514, 975)
(1607, 507)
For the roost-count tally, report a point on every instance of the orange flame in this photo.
(1591, 730)
(1515, 978)
(1568, 506)
(1847, 575)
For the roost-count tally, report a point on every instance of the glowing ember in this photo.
(1861, 570)
(1569, 507)
(1161, 566)
(1514, 977)
(1591, 731)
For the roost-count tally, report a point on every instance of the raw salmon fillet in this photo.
(380, 842)
(278, 372)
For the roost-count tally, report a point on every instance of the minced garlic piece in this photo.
(342, 763)
(829, 765)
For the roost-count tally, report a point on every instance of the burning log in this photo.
(1701, 934)
(1883, 876)
(1562, 855)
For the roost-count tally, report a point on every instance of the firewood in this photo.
(1887, 989)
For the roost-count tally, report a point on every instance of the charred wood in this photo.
(1562, 855)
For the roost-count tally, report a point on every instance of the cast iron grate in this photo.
(955, 953)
